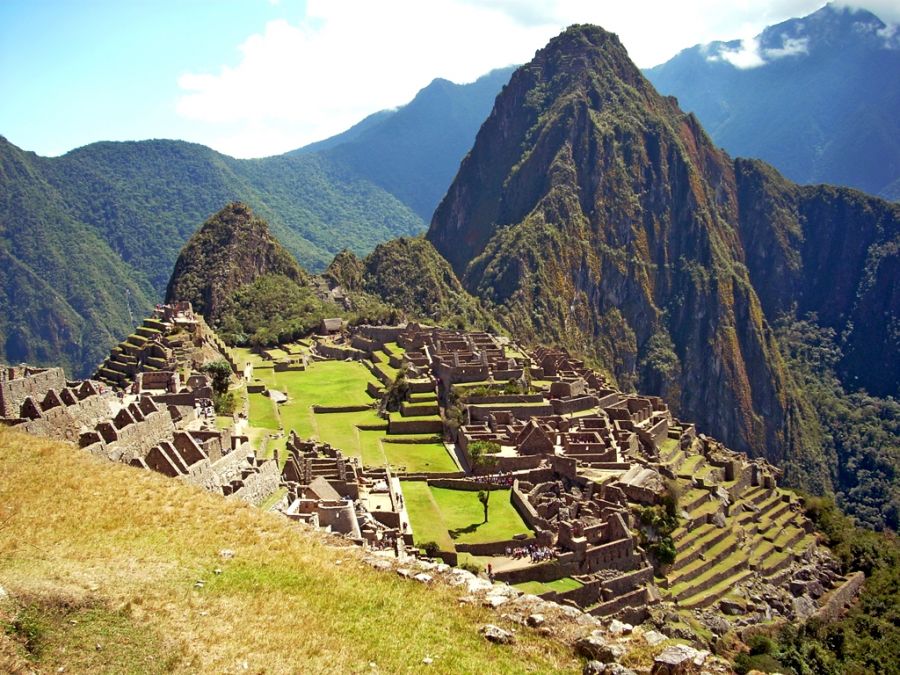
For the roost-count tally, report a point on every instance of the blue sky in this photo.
(257, 77)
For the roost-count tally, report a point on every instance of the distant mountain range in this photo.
(88, 239)
(817, 97)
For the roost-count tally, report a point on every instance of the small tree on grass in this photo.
(220, 374)
(484, 496)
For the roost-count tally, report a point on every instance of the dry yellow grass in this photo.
(101, 562)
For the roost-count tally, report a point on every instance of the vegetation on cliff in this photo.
(408, 273)
(864, 640)
(860, 432)
(593, 213)
(94, 233)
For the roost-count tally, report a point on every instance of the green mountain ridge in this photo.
(102, 225)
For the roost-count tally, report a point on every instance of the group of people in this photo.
(535, 553)
(499, 478)
(205, 408)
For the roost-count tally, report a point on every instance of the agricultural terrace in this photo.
(447, 516)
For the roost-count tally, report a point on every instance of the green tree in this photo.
(220, 373)
(482, 455)
(484, 496)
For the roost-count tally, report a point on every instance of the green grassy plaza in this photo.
(336, 384)
(447, 516)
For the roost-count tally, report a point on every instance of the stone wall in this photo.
(463, 484)
(412, 425)
(65, 422)
(566, 406)
(381, 334)
(33, 382)
(258, 486)
(494, 547)
(840, 597)
(480, 413)
(526, 510)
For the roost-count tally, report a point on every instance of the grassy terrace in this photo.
(448, 516)
(262, 412)
(668, 446)
(129, 584)
(540, 587)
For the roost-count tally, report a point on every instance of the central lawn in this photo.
(262, 412)
(298, 417)
(425, 515)
(538, 587)
(370, 448)
(327, 383)
(419, 457)
(442, 515)
(339, 429)
(464, 516)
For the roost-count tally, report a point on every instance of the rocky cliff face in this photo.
(831, 252)
(594, 213)
(231, 249)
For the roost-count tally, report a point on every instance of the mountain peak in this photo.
(232, 248)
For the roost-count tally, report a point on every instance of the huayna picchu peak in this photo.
(593, 213)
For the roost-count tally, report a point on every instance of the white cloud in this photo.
(745, 56)
(294, 82)
(789, 47)
(345, 60)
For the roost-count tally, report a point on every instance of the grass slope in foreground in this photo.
(119, 551)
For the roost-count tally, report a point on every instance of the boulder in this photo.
(679, 660)
(596, 648)
(617, 627)
(494, 601)
(535, 620)
(598, 668)
(497, 635)
(653, 638)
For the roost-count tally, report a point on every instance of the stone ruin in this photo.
(583, 459)
(331, 492)
(160, 426)
(173, 339)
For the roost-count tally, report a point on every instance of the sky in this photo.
(252, 78)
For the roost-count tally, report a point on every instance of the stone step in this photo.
(682, 533)
(788, 537)
(715, 593)
(775, 562)
(693, 549)
(698, 567)
(691, 465)
(728, 566)
(761, 550)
